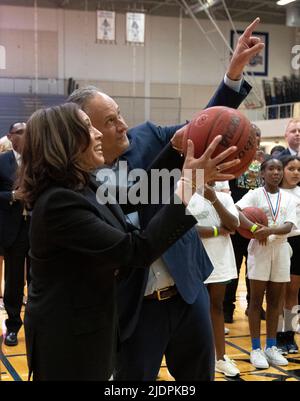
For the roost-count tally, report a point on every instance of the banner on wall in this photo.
(106, 31)
(2, 58)
(135, 28)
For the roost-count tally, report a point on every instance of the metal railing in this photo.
(272, 112)
(41, 86)
(283, 110)
(138, 108)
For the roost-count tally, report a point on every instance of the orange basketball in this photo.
(235, 128)
(256, 215)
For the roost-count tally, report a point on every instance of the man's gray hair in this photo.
(83, 95)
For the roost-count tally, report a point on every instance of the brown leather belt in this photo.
(163, 293)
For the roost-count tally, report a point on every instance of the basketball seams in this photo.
(243, 138)
(212, 127)
(223, 121)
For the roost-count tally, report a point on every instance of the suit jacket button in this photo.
(116, 272)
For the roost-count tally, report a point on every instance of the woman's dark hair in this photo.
(288, 158)
(256, 129)
(277, 149)
(54, 140)
(266, 161)
(285, 161)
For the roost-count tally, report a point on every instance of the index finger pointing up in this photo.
(250, 28)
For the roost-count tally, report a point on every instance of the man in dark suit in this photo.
(292, 137)
(164, 310)
(14, 224)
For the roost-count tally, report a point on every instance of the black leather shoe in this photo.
(228, 317)
(11, 339)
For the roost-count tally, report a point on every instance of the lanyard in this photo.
(274, 212)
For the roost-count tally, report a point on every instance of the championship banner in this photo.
(2, 58)
(106, 31)
(135, 28)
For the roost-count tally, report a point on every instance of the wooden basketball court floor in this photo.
(14, 367)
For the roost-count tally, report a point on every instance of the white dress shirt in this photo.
(17, 157)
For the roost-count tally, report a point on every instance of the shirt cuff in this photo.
(234, 85)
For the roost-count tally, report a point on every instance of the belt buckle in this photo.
(160, 297)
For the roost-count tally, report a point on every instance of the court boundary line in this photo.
(286, 372)
(10, 369)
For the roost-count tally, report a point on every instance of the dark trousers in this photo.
(181, 332)
(14, 258)
(240, 245)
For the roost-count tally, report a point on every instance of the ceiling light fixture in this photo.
(196, 8)
(284, 2)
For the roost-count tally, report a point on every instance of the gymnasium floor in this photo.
(14, 368)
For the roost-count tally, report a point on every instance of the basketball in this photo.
(235, 129)
(256, 215)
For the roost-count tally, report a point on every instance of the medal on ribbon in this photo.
(274, 211)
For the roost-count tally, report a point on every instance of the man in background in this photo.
(14, 225)
(164, 309)
(292, 137)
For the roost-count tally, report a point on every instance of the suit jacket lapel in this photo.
(117, 211)
(113, 208)
(12, 165)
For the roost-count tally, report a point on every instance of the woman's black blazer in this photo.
(79, 249)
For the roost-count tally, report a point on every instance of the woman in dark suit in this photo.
(80, 248)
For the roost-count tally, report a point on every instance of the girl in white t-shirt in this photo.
(217, 218)
(268, 258)
(287, 325)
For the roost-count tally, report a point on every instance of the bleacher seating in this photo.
(281, 91)
(15, 107)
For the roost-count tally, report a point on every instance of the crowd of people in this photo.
(112, 288)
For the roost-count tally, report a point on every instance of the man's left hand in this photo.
(247, 47)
